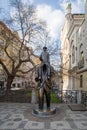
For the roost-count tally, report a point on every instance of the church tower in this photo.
(68, 8)
(68, 16)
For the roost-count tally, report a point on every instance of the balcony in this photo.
(81, 63)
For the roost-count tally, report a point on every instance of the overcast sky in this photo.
(52, 11)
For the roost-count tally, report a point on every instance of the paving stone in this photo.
(47, 125)
(1, 122)
(60, 125)
(81, 125)
(12, 118)
(22, 124)
(9, 125)
(77, 116)
(31, 125)
(72, 124)
(17, 119)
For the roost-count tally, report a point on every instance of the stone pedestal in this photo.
(44, 113)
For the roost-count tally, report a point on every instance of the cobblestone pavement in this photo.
(18, 116)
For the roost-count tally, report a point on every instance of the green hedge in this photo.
(54, 98)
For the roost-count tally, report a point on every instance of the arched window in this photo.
(81, 81)
(81, 57)
(81, 52)
(73, 54)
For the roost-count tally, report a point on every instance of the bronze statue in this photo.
(44, 73)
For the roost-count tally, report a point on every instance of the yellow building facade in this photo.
(12, 42)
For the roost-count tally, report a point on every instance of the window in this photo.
(19, 85)
(1, 41)
(2, 32)
(81, 81)
(73, 54)
(14, 85)
(1, 53)
(81, 57)
(81, 52)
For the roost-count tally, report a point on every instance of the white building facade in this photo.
(74, 50)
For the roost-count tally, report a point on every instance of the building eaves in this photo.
(78, 19)
(9, 31)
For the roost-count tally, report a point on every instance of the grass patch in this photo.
(29, 94)
(54, 98)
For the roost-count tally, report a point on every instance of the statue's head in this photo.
(44, 48)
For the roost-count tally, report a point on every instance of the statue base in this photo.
(44, 113)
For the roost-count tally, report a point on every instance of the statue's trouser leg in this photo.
(48, 70)
(48, 99)
(41, 98)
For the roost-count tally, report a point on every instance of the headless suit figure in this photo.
(44, 79)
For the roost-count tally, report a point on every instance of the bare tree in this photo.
(17, 53)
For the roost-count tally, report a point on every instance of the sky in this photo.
(51, 11)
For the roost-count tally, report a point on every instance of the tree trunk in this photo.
(9, 82)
